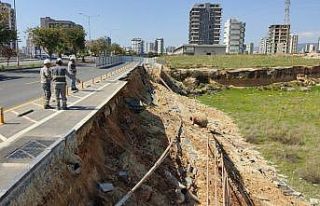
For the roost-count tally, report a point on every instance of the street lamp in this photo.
(16, 28)
(89, 21)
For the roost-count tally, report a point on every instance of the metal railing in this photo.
(109, 61)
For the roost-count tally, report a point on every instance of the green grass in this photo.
(236, 61)
(285, 127)
(30, 66)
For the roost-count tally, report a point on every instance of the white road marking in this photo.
(39, 105)
(22, 132)
(25, 117)
(35, 82)
(3, 138)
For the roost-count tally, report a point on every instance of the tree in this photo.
(117, 49)
(6, 35)
(48, 38)
(74, 38)
(59, 40)
(8, 53)
(99, 46)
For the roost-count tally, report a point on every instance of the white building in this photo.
(234, 33)
(312, 48)
(263, 48)
(250, 48)
(159, 46)
(137, 45)
(293, 47)
(309, 48)
(150, 47)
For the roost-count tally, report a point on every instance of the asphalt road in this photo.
(18, 87)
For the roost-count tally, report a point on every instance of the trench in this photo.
(245, 77)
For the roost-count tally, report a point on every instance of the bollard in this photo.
(1, 116)
(82, 85)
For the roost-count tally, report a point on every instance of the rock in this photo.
(189, 182)
(305, 89)
(200, 119)
(123, 176)
(297, 194)
(105, 187)
(314, 201)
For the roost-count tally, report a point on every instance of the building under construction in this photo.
(278, 39)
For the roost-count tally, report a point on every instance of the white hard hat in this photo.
(72, 58)
(47, 61)
(59, 60)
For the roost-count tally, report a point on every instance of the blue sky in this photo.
(150, 19)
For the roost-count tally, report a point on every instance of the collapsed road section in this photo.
(142, 144)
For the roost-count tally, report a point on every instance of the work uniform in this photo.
(59, 75)
(45, 75)
(73, 72)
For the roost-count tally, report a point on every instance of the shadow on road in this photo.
(7, 77)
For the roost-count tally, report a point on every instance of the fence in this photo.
(109, 61)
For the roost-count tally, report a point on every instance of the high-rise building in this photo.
(250, 48)
(234, 33)
(307, 48)
(293, 48)
(263, 48)
(48, 22)
(159, 46)
(9, 19)
(205, 24)
(312, 48)
(279, 39)
(137, 45)
(150, 47)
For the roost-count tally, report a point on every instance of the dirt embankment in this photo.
(120, 147)
(197, 79)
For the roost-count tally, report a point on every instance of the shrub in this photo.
(311, 171)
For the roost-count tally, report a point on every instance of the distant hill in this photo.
(303, 45)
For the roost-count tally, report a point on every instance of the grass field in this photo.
(285, 127)
(236, 61)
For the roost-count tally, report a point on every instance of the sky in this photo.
(169, 19)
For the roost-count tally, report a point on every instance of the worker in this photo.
(45, 75)
(59, 74)
(72, 69)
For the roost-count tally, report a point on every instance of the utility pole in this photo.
(16, 28)
(89, 22)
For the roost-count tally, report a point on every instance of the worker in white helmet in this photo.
(45, 75)
(72, 69)
(59, 74)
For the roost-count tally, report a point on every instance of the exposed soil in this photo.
(121, 147)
